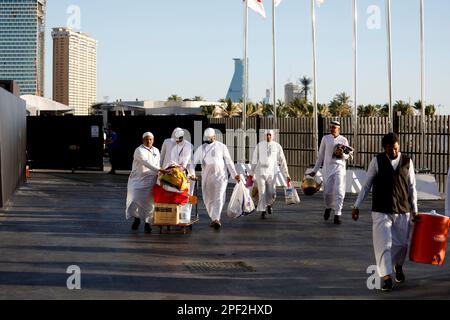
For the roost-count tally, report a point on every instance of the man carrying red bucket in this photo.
(394, 205)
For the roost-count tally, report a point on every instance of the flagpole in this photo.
(275, 115)
(389, 44)
(245, 82)
(315, 125)
(355, 78)
(422, 79)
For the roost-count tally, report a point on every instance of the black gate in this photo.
(66, 143)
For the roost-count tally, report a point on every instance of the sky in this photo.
(151, 49)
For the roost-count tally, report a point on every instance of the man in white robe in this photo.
(143, 177)
(215, 160)
(182, 154)
(267, 159)
(333, 171)
(166, 149)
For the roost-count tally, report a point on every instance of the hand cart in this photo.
(194, 218)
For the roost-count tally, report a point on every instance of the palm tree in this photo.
(370, 111)
(174, 97)
(323, 110)
(340, 107)
(383, 111)
(430, 110)
(305, 82)
(267, 109)
(403, 107)
(208, 110)
(253, 111)
(230, 109)
(300, 108)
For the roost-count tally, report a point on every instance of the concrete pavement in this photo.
(62, 219)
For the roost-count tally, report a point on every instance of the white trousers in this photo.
(267, 191)
(334, 190)
(214, 197)
(136, 211)
(390, 240)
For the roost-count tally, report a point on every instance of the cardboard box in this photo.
(167, 214)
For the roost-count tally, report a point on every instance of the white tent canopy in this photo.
(36, 105)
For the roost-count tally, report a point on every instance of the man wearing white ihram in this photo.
(267, 158)
(214, 157)
(181, 154)
(334, 170)
(143, 177)
(166, 149)
(394, 201)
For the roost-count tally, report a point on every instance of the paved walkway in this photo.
(61, 219)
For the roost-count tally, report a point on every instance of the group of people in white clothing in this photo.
(216, 164)
(390, 176)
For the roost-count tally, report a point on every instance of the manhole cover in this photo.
(218, 267)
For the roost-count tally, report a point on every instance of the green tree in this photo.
(174, 97)
(340, 105)
(323, 110)
(430, 110)
(230, 109)
(305, 83)
(208, 110)
(254, 110)
(300, 108)
(404, 108)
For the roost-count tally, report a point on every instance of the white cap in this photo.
(147, 134)
(209, 133)
(335, 123)
(179, 133)
(175, 131)
(271, 132)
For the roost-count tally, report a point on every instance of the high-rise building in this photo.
(22, 39)
(268, 95)
(235, 92)
(291, 92)
(74, 69)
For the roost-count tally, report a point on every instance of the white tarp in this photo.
(36, 104)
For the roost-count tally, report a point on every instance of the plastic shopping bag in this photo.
(291, 195)
(241, 203)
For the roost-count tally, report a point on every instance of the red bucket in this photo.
(163, 196)
(429, 240)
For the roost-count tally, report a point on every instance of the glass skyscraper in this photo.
(22, 39)
(235, 92)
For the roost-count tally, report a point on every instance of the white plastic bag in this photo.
(241, 203)
(291, 195)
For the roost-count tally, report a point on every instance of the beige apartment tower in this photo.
(74, 70)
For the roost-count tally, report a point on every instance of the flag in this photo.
(277, 2)
(320, 2)
(258, 6)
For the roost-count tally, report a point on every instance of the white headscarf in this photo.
(147, 134)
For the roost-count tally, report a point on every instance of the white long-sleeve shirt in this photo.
(326, 152)
(266, 159)
(182, 155)
(373, 171)
(145, 166)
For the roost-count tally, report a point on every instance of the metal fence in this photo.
(296, 137)
(12, 144)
